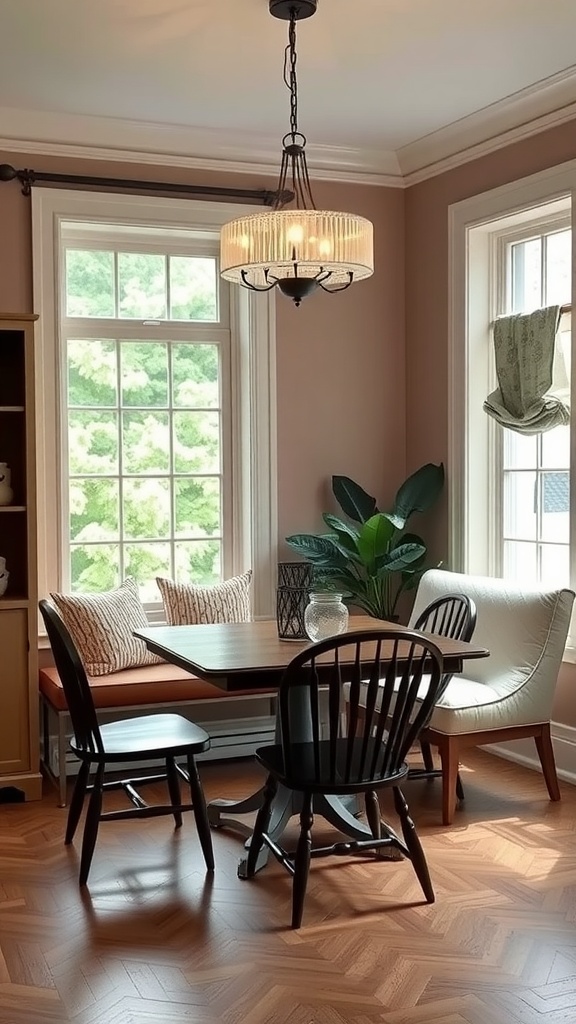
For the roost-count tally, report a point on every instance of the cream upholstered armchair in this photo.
(508, 695)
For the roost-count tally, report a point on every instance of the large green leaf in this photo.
(400, 558)
(320, 550)
(347, 554)
(374, 539)
(347, 533)
(407, 538)
(419, 491)
(411, 538)
(353, 500)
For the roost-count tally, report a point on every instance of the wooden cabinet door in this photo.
(14, 692)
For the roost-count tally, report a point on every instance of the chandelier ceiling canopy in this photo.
(298, 248)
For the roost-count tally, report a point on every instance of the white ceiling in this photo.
(374, 75)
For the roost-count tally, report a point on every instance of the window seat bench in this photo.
(237, 722)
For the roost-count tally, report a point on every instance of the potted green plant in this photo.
(367, 555)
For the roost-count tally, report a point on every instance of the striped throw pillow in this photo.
(101, 627)
(189, 603)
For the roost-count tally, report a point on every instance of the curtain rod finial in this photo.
(7, 172)
(25, 177)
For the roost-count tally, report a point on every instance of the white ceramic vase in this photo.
(6, 492)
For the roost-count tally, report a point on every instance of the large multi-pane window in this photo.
(533, 526)
(145, 347)
(155, 399)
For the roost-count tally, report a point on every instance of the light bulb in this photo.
(295, 234)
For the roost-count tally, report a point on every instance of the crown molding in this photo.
(160, 145)
(546, 104)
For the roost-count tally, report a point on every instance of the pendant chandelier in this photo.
(299, 249)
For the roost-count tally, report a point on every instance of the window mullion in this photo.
(539, 508)
(120, 437)
(116, 287)
(543, 263)
(172, 466)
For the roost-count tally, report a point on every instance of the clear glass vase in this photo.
(325, 616)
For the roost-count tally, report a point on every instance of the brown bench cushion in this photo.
(149, 684)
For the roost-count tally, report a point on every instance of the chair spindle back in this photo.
(399, 671)
(451, 615)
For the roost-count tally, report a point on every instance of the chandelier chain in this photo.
(290, 78)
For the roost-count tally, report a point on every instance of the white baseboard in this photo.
(524, 752)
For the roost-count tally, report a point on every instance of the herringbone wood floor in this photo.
(157, 942)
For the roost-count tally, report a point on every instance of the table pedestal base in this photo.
(339, 813)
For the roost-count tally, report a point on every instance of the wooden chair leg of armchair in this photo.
(546, 754)
(448, 750)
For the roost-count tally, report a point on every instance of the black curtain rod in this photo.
(28, 178)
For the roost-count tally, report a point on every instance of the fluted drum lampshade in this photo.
(297, 249)
(270, 245)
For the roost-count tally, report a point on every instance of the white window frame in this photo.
(252, 375)
(473, 290)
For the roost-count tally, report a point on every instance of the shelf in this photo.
(19, 730)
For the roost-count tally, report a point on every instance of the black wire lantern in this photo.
(292, 596)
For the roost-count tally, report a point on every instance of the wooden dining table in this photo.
(250, 655)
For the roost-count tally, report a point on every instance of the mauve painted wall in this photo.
(340, 358)
(427, 309)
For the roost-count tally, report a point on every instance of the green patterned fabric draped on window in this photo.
(533, 385)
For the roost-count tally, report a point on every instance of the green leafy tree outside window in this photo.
(143, 426)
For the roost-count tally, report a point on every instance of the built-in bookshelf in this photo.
(19, 740)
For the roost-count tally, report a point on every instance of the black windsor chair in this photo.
(357, 752)
(152, 736)
(452, 615)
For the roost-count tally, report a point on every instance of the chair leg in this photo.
(91, 825)
(448, 749)
(414, 845)
(62, 748)
(77, 802)
(174, 789)
(302, 860)
(261, 825)
(427, 755)
(459, 787)
(373, 812)
(200, 813)
(546, 754)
